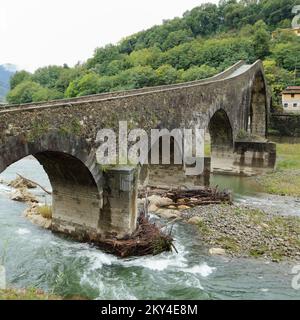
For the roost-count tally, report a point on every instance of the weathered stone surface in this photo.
(167, 213)
(22, 195)
(21, 183)
(33, 215)
(195, 220)
(183, 207)
(159, 201)
(217, 251)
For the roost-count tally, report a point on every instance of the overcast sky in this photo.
(35, 33)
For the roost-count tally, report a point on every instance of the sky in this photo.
(36, 33)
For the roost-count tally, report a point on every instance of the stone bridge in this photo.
(91, 203)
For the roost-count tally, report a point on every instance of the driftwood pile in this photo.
(147, 239)
(190, 197)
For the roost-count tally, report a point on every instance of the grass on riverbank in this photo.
(45, 211)
(286, 179)
(26, 294)
(244, 231)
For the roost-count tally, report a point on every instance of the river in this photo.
(37, 258)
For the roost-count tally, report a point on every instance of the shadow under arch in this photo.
(220, 131)
(258, 109)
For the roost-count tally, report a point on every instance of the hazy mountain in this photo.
(6, 71)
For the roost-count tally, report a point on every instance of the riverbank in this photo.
(285, 180)
(242, 231)
(237, 230)
(26, 294)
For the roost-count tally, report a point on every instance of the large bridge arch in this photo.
(77, 181)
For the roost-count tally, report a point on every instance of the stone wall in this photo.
(285, 125)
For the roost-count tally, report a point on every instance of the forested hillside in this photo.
(205, 41)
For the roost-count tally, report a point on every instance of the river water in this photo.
(37, 258)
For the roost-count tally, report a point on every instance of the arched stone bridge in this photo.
(91, 204)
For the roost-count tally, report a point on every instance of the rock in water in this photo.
(32, 214)
(22, 195)
(21, 183)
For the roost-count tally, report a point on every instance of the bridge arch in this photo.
(258, 110)
(220, 131)
(74, 176)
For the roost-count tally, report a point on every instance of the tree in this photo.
(177, 37)
(23, 92)
(203, 20)
(88, 84)
(144, 57)
(166, 74)
(18, 77)
(278, 78)
(198, 73)
(287, 55)
(67, 75)
(47, 76)
(261, 40)
(46, 94)
(102, 55)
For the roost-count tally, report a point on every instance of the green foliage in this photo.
(24, 92)
(144, 57)
(47, 76)
(287, 54)
(197, 73)
(261, 40)
(88, 84)
(18, 77)
(166, 74)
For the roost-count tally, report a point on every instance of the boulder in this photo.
(22, 195)
(33, 215)
(195, 220)
(160, 201)
(217, 251)
(152, 208)
(167, 213)
(21, 183)
(40, 221)
(183, 207)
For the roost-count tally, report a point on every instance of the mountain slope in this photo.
(6, 72)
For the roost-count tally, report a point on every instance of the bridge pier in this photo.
(119, 210)
(90, 207)
(255, 154)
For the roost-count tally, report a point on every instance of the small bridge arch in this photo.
(221, 132)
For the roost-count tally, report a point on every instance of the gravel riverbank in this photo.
(244, 231)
